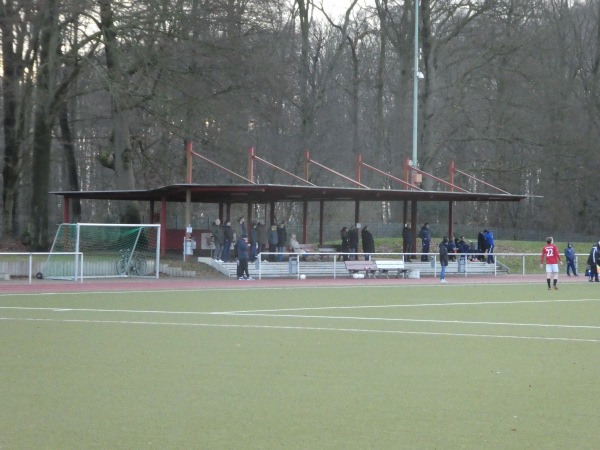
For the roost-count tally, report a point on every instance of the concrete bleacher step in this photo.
(282, 269)
(176, 271)
(329, 269)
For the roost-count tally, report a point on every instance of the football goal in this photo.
(109, 250)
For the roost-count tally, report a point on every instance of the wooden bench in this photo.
(369, 267)
(384, 266)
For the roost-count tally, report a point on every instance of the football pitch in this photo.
(369, 367)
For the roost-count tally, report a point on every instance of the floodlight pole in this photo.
(415, 87)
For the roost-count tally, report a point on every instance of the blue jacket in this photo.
(242, 249)
(570, 254)
(273, 236)
(425, 234)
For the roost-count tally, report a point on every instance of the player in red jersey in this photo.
(552, 256)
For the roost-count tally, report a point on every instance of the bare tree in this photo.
(18, 56)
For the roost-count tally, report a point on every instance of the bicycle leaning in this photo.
(129, 264)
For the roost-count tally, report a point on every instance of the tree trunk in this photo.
(123, 152)
(14, 111)
(42, 135)
(70, 161)
(424, 131)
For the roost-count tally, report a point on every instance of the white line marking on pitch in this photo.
(317, 308)
(274, 313)
(276, 327)
(415, 305)
(389, 319)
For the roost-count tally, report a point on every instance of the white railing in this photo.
(465, 264)
(25, 265)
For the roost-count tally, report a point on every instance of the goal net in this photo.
(109, 250)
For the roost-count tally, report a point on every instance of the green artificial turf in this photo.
(403, 367)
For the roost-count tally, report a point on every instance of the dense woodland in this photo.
(105, 94)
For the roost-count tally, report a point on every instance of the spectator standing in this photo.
(273, 239)
(218, 237)
(241, 249)
(368, 243)
(443, 259)
(407, 241)
(353, 242)
(281, 241)
(551, 254)
(451, 246)
(570, 257)
(489, 246)
(228, 239)
(593, 262)
(481, 246)
(345, 243)
(261, 236)
(253, 242)
(425, 236)
(242, 227)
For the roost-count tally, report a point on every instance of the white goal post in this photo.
(109, 250)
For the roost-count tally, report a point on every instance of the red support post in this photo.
(306, 163)
(450, 219)
(304, 221)
(321, 216)
(452, 176)
(66, 209)
(163, 226)
(407, 172)
(358, 166)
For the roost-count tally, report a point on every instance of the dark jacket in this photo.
(261, 233)
(281, 236)
(218, 233)
(481, 242)
(593, 258)
(241, 247)
(425, 234)
(407, 234)
(242, 224)
(443, 253)
(353, 238)
(570, 254)
(228, 233)
(368, 243)
(273, 237)
(253, 237)
(345, 239)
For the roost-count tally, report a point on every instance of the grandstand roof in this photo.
(265, 193)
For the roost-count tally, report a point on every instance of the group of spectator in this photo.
(449, 248)
(593, 262)
(485, 244)
(258, 238)
(350, 242)
(274, 239)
